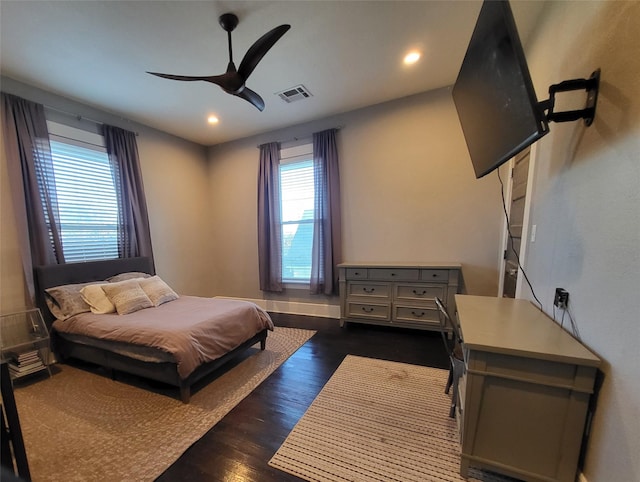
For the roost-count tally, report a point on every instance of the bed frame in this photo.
(166, 372)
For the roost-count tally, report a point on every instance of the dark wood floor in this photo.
(240, 445)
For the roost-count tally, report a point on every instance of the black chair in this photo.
(452, 343)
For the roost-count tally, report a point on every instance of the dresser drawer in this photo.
(421, 314)
(392, 274)
(372, 311)
(420, 292)
(434, 275)
(356, 273)
(369, 289)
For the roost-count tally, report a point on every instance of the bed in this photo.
(147, 342)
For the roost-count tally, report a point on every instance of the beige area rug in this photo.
(377, 420)
(81, 426)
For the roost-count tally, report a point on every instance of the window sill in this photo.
(296, 285)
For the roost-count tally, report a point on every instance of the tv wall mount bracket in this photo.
(591, 85)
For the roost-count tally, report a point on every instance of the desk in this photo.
(525, 392)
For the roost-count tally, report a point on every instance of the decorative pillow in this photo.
(54, 308)
(65, 301)
(97, 300)
(127, 296)
(157, 290)
(127, 276)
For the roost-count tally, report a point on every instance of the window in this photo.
(297, 208)
(85, 194)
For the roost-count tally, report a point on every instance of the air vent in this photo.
(293, 94)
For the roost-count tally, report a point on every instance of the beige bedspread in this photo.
(194, 330)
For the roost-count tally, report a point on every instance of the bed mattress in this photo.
(190, 330)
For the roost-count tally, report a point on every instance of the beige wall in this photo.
(586, 205)
(12, 287)
(177, 188)
(176, 185)
(408, 194)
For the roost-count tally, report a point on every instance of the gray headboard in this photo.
(63, 274)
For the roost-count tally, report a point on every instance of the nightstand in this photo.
(24, 343)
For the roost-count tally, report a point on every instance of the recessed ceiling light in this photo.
(212, 119)
(412, 57)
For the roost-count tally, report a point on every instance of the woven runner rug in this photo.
(83, 426)
(377, 420)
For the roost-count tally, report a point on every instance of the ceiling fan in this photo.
(233, 81)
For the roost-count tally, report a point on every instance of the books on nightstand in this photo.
(26, 362)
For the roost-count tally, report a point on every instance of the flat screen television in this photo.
(493, 93)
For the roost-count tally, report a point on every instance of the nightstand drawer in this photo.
(392, 274)
(375, 311)
(369, 289)
(420, 292)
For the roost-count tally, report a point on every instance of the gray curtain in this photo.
(269, 219)
(27, 149)
(134, 235)
(327, 231)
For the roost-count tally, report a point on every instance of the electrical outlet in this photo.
(561, 298)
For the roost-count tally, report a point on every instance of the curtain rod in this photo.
(82, 117)
(298, 137)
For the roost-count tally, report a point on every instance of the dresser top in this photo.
(516, 327)
(421, 264)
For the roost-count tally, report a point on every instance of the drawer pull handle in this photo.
(367, 309)
(357, 273)
(368, 290)
(422, 293)
(393, 274)
(418, 314)
(435, 275)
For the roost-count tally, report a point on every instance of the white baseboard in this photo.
(296, 308)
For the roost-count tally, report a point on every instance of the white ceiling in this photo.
(348, 54)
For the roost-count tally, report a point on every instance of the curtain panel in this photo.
(327, 231)
(269, 219)
(134, 234)
(30, 170)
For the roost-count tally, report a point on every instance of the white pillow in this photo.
(97, 299)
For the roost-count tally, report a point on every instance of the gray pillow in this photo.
(127, 296)
(127, 276)
(157, 290)
(65, 301)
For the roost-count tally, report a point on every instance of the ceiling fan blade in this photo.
(211, 78)
(259, 49)
(229, 81)
(250, 96)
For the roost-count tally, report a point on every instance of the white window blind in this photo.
(87, 201)
(297, 198)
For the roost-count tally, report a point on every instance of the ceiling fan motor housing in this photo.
(228, 21)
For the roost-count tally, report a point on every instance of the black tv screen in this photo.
(493, 94)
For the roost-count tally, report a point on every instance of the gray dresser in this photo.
(399, 294)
